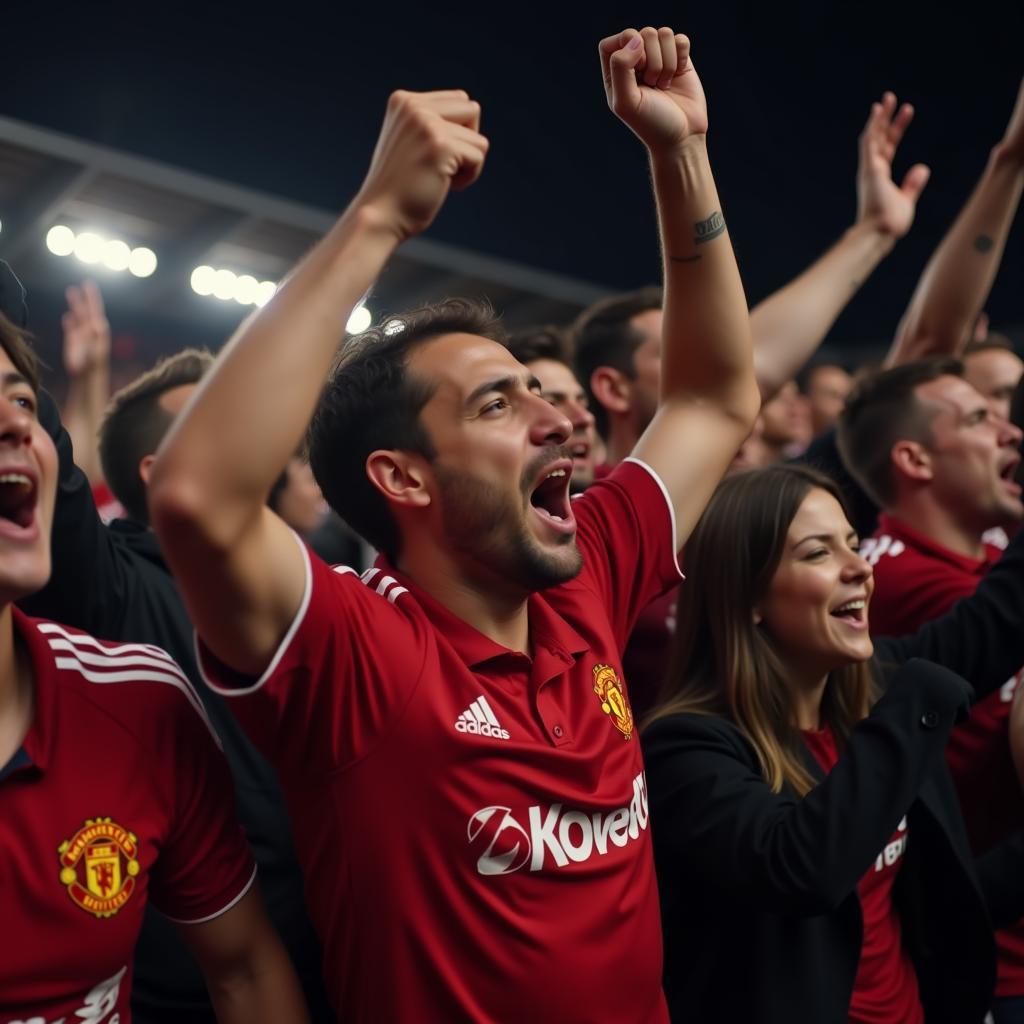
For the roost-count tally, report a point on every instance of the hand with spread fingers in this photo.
(883, 204)
(86, 330)
(652, 86)
(429, 143)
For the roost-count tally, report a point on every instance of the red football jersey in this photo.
(119, 795)
(645, 657)
(885, 988)
(917, 580)
(473, 821)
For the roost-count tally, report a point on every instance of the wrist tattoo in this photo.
(983, 243)
(710, 228)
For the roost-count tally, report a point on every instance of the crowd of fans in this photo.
(385, 699)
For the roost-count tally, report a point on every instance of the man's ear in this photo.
(612, 389)
(400, 476)
(146, 467)
(912, 460)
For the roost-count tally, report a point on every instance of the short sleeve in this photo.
(627, 534)
(204, 866)
(345, 670)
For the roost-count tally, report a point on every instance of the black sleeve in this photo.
(1001, 874)
(89, 583)
(714, 819)
(982, 636)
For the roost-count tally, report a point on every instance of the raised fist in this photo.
(651, 85)
(430, 142)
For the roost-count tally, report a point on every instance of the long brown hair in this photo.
(721, 662)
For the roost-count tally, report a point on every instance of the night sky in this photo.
(289, 99)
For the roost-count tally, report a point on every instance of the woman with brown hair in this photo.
(811, 857)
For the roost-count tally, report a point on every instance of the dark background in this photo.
(288, 99)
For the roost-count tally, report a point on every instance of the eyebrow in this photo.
(823, 538)
(12, 377)
(504, 384)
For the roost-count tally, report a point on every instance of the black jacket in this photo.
(113, 583)
(760, 912)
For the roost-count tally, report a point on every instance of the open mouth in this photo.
(580, 451)
(853, 612)
(1008, 475)
(17, 498)
(550, 497)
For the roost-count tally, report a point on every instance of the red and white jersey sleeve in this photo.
(346, 667)
(627, 534)
(205, 865)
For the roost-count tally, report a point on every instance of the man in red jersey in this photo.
(928, 448)
(453, 731)
(113, 791)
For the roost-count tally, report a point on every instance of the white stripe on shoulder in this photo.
(387, 586)
(223, 910)
(342, 569)
(104, 646)
(671, 509)
(127, 674)
(300, 614)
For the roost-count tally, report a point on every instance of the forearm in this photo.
(707, 346)
(791, 323)
(249, 415)
(266, 992)
(83, 413)
(956, 282)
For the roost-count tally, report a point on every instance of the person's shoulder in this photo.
(883, 547)
(138, 687)
(693, 727)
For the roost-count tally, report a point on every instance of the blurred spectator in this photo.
(825, 386)
(545, 352)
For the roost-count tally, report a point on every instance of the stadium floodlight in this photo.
(360, 320)
(203, 280)
(246, 290)
(224, 284)
(60, 240)
(266, 292)
(89, 247)
(116, 254)
(142, 261)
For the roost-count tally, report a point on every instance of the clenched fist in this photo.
(430, 142)
(651, 85)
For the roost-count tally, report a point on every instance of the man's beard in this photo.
(480, 520)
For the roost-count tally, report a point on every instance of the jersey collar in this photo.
(899, 530)
(556, 644)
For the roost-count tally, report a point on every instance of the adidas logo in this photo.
(479, 719)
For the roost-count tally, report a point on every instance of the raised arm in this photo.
(87, 364)
(240, 571)
(791, 323)
(956, 282)
(709, 396)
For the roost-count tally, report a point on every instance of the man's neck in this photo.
(486, 604)
(926, 516)
(16, 689)
(622, 439)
